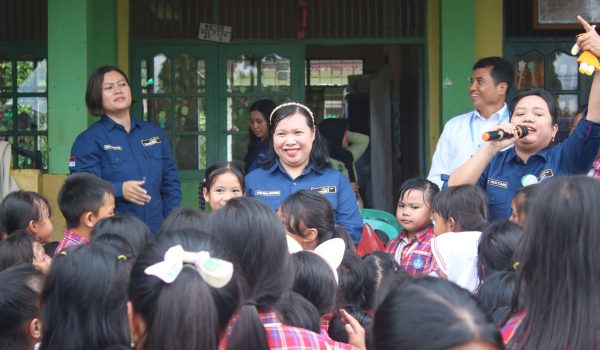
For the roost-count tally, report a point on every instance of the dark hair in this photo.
(16, 249)
(311, 209)
(496, 247)
(379, 265)
(85, 298)
(429, 189)
(559, 266)
(132, 229)
(352, 277)
(502, 70)
(296, 311)
(496, 294)
(20, 303)
(215, 170)
(333, 131)
(20, 207)
(431, 313)
(543, 94)
(255, 237)
(82, 193)
(340, 232)
(182, 314)
(184, 219)
(314, 280)
(523, 198)
(264, 107)
(93, 93)
(466, 204)
(337, 330)
(318, 153)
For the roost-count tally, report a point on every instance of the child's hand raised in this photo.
(356, 333)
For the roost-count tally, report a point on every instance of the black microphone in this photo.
(498, 135)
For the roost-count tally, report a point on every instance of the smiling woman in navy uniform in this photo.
(502, 171)
(297, 160)
(132, 154)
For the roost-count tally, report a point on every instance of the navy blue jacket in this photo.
(108, 151)
(274, 185)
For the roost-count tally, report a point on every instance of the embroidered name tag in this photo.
(546, 174)
(497, 183)
(267, 193)
(325, 189)
(151, 141)
(112, 148)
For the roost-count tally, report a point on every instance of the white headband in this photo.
(291, 104)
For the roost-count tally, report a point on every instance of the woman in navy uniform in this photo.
(298, 160)
(132, 154)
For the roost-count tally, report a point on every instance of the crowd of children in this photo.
(275, 264)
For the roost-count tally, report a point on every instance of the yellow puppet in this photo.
(588, 62)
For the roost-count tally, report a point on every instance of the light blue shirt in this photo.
(460, 140)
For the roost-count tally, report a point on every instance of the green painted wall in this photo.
(81, 37)
(457, 55)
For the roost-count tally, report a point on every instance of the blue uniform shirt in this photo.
(501, 179)
(106, 150)
(273, 185)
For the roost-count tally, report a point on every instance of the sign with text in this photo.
(214, 32)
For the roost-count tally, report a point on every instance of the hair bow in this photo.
(216, 272)
(332, 251)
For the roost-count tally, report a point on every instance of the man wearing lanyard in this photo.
(490, 82)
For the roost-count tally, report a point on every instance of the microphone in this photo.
(498, 135)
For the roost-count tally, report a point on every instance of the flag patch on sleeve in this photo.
(72, 162)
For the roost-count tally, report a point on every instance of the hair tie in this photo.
(516, 265)
(122, 257)
(215, 272)
(63, 252)
(250, 302)
(292, 104)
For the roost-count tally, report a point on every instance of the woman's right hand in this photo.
(135, 193)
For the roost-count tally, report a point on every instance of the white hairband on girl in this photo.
(291, 104)
(216, 272)
(332, 251)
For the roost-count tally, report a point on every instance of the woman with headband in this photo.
(298, 160)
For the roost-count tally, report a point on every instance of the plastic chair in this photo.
(382, 220)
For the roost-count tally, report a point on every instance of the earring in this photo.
(132, 344)
(552, 138)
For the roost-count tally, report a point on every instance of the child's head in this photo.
(520, 204)
(459, 208)
(496, 247)
(26, 210)
(132, 229)
(184, 219)
(20, 289)
(21, 247)
(379, 265)
(352, 277)
(337, 326)
(314, 280)
(256, 239)
(296, 311)
(431, 313)
(496, 295)
(414, 204)
(85, 298)
(186, 313)
(222, 181)
(308, 218)
(84, 199)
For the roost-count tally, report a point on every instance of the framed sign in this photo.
(561, 14)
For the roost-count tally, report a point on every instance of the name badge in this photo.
(325, 189)
(267, 193)
(151, 141)
(497, 183)
(112, 148)
(546, 173)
